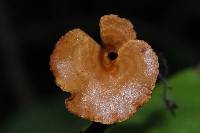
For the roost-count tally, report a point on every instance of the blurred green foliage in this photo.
(52, 117)
(45, 117)
(155, 118)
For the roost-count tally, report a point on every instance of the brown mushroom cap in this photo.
(103, 89)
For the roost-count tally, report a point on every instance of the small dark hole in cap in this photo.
(112, 55)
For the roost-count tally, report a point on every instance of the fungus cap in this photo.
(105, 89)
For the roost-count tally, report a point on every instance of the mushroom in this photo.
(109, 82)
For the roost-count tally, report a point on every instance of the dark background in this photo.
(30, 29)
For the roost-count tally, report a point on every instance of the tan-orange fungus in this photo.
(109, 82)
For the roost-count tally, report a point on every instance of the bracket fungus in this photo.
(109, 82)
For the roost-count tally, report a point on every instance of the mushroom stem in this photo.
(96, 128)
